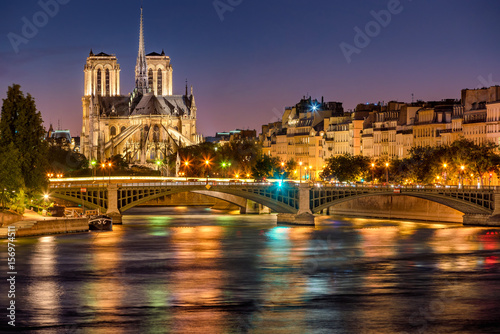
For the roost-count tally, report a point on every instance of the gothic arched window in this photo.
(112, 131)
(99, 82)
(122, 129)
(108, 89)
(159, 85)
(156, 133)
(150, 78)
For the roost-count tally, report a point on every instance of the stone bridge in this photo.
(294, 203)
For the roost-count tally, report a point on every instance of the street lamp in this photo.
(186, 165)
(93, 164)
(462, 168)
(109, 171)
(445, 174)
(387, 173)
(300, 169)
(207, 165)
(373, 173)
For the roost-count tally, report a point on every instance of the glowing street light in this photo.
(462, 169)
(445, 175)
(373, 173)
(300, 174)
(387, 173)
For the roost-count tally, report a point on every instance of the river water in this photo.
(179, 270)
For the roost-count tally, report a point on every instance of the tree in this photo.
(66, 161)
(21, 124)
(346, 168)
(265, 166)
(11, 180)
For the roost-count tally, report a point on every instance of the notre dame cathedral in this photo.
(143, 126)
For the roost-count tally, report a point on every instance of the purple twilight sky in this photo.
(249, 59)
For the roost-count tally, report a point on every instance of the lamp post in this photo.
(158, 163)
(444, 173)
(109, 171)
(224, 164)
(373, 173)
(387, 173)
(207, 165)
(186, 164)
(45, 205)
(93, 165)
(282, 170)
(310, 173)
(461, 180)
(300, 169)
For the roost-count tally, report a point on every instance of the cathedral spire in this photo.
(141, 68)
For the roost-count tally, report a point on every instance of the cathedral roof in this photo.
(153, 54)
(147, 104)
(102, 54)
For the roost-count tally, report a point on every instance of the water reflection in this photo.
(189, 271)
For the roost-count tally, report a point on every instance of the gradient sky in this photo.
(264, 55)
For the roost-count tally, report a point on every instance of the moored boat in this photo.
(100, 223)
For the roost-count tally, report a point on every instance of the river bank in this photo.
(32, 224)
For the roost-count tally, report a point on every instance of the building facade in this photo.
(311, 132)
(145, 125)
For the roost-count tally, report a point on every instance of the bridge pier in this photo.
(113, 210)
(255, 208)
(304, 215)
(494, 219)
(478, 219)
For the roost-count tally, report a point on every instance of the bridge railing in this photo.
(158, 184)
(412, 188)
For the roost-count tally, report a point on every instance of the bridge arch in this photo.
(127, 199)
(454, 203)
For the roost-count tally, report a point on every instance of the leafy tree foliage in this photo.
(426, 165)
(346, 168)
(11, 179)
(265, 166)
(66, 161)
(228, 160)
(21, 125)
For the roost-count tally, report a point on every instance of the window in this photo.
(112, 131)
(122, 129)
(99, 83)
(156, 133)
(107, 83)
(150, 78)
(159, 85)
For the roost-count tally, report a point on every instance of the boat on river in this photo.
(100, 223)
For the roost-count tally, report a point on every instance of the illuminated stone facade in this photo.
(381, 131)
(143, 126)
